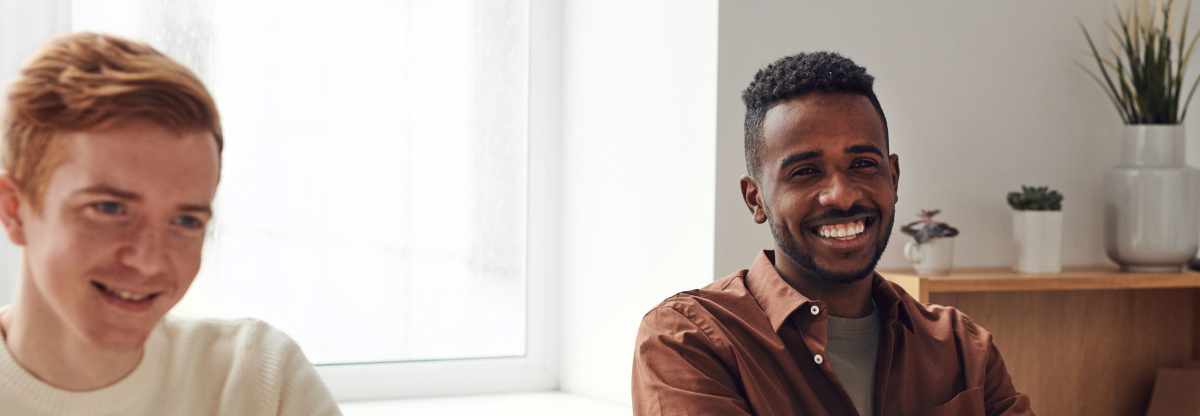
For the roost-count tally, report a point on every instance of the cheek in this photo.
(878, 188)
(186, 256)
(887, 198)
(59, 259)
(885, 182)
(791, 210)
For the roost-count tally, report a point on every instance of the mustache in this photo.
(835, 213)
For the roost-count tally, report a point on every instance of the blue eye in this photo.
(109, 207)
(189, 222)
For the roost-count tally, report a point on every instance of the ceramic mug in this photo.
(934, 258)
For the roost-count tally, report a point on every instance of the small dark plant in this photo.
(1035, 199)
(927, 229)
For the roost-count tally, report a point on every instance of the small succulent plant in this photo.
(1035, 199)
(927, 229)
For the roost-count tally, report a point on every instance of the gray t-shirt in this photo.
(853, 348)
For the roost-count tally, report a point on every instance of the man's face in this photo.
(118, 240)
(828, 186)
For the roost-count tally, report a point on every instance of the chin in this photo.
(847, 269)
(833, 275)
(121, 340)
(114, 334)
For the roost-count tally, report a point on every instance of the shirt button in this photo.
(818, 359)
(815, 310)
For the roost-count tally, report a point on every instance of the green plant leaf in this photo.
(1107, 92)
(1149, 62)
(1112, 90)
(1188, 102)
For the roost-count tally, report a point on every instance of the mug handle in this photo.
(912, 252)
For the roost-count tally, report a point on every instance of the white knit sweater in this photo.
(190, 367)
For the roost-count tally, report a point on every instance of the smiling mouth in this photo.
(843, 231)
(123, 294)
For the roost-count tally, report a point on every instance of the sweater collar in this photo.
(22, 385)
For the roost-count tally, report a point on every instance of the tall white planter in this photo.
(1151, 204)
(1038, 239)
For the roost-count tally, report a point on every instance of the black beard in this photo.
(787, 243)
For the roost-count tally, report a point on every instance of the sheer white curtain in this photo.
(24, 26)
(374, 189)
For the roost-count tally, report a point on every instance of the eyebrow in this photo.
(108, 190)
(196, 208)
(130, 196)
(799, 157)
(864, 148)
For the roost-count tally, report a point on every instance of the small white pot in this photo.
(934, 258)
(1038, 238)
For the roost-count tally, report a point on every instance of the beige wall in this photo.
(981, 97)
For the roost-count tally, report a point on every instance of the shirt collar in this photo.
(778, 299)
(892, 304)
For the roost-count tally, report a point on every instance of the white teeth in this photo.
(842, 230)
(126, 295)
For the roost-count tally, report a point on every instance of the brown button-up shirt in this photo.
(748, 344)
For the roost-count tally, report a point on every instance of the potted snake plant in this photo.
(1152, 213)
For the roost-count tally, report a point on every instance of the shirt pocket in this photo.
(967, 403)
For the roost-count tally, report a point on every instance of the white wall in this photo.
(981, 97)
(639, 108)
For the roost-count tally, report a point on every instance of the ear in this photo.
(10, 209)
(894, 161)
(752, 195)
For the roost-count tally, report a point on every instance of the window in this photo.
(385, 181)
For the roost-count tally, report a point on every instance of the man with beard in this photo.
(810, 328)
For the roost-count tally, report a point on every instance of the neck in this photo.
(45, 346)
(843, 300)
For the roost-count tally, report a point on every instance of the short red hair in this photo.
(83, 81)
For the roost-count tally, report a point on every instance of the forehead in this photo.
(827, 122)
(143, 158)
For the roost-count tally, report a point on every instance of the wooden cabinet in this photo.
(1086, 341)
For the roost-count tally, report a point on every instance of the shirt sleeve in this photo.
(287, 383)
(677, 371)
(301, 391)
(1001, 398)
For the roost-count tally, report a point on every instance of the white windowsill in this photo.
(522, 404)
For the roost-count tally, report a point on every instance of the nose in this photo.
(146, 251)
(839, 192)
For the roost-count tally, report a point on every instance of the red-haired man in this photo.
(112, 155)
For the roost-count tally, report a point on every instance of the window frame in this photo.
(538, 369)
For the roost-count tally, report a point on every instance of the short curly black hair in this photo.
(795, 76)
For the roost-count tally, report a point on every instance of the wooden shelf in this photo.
(1087, 341)
(1007, 280)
